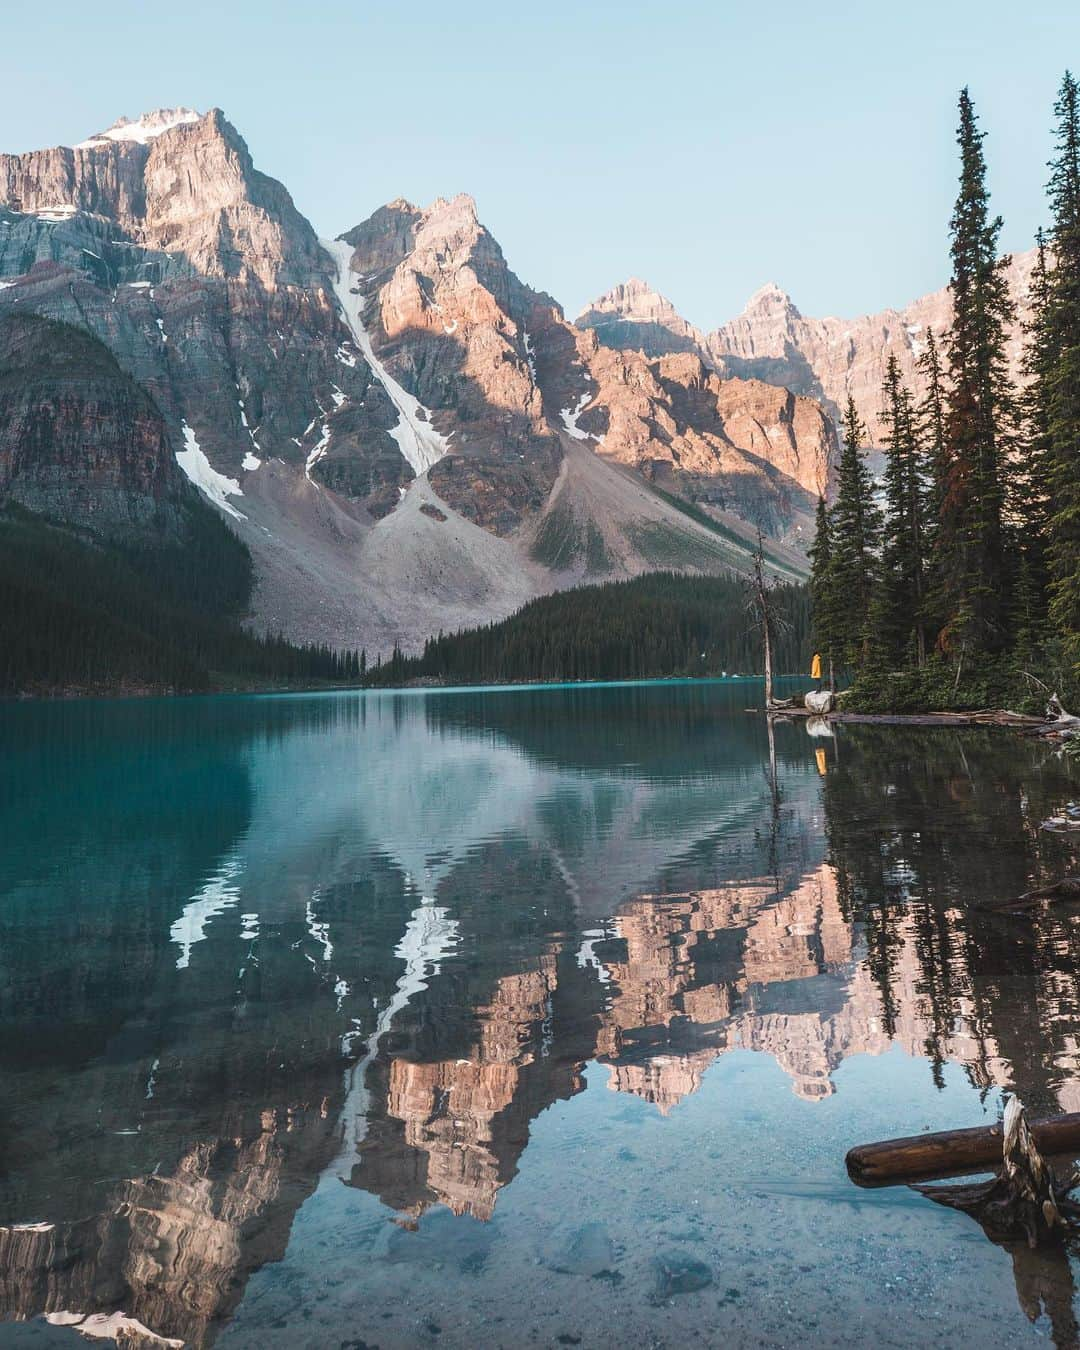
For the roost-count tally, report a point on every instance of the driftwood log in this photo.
(1025, 1198)
(953, 1151)
(1067, 888)
(1062, 720)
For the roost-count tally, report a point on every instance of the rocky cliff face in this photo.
(196, 270)
(771, 341)
(81, 442)
(406, 436)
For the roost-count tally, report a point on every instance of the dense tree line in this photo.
(961, 570)
(75, 614)
(653, 626)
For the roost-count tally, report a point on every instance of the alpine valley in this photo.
(406, 437)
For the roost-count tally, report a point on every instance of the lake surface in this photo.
(515, 1017)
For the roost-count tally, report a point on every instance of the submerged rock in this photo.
(589, 1252)
(677, 1273)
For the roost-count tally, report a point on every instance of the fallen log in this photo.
(953, 1151)
(1027, 1197)
(990, 718)
(1067, 888)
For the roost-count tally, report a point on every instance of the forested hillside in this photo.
(115, 573)
(653, 626)
(77, 615)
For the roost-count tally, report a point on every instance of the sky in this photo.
(707, 147)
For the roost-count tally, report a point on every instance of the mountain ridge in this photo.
(405, 434)
(821, 358)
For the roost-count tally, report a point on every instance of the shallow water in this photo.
(528, 1017)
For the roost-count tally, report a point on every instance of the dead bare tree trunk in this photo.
(762, 592)
(761, 599)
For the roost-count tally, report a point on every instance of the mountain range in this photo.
(406, 436)
(772, 341)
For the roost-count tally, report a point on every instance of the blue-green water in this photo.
(527, 1017)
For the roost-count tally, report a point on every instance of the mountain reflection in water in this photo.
(247, 945)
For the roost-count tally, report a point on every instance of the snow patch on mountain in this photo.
(570, 418)
(144, 129)
(319, 449)
(56, 215)
(192, 459)
(415, 435)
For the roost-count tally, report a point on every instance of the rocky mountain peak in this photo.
(635, 300)
(634, 315)
(450, 229)
(459, 208)
(771, 299)
(174, 181)
(143, 129)
(385, 238)
(429, 260)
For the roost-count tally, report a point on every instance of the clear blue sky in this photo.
(708, 147)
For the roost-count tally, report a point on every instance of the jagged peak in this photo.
(633, 288)
(142, 129)
(770, 297)
(460, 206)
(634, 301)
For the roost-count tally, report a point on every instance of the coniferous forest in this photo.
(76, 615)
(965, 562)
(660, 624)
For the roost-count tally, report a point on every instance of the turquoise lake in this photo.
(515, 1017)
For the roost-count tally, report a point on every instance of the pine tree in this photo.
(899, 632)
(1059, 384)
(930, 431)
(971, 553)
(930, 424)
(855, 531)
(1031, 508)
(823, 595)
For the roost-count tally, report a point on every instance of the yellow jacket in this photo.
(815, 667)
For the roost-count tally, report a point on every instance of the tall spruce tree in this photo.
(930, 429)
(899, 635)
(971, 545)
(827, 608)
(1031, 509)
(1059, 383)
(855, 533)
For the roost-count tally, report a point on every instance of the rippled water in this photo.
(530, 1017)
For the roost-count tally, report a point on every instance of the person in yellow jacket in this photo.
(815, 667)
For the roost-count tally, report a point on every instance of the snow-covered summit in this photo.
(144, 128)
